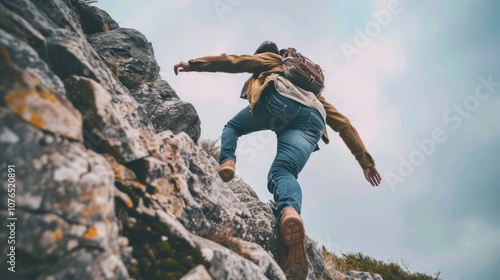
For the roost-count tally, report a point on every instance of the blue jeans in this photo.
(298, 129)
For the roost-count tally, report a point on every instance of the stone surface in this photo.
(197, 273)
(95, 20)
(29, 11)
(17, 26)
(131, 58)
(166, 110)
(87, 264)
(104, 128)
(359, 275)
(16, 51)
(151, 93)
(38, 105)
(64, 201)
(176, 116)
(317, 268)
(128, 53)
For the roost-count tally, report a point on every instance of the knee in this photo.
(281, 169)
(275, 177)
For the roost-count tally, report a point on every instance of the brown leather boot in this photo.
(226, 170)
(294, 262)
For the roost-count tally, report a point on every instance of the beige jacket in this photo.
(264, 68)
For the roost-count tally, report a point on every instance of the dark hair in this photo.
(267, 46)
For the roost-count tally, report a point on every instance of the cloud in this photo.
(201, 87)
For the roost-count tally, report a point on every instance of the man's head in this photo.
(267, 46)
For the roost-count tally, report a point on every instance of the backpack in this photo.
(302, 72)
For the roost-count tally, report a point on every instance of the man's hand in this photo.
(372, 175)
(181, 67)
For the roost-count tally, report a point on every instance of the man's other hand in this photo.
(181, 67)
(372, 175)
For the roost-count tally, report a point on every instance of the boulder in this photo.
(26, 95)
(197, 273)
(64, 203)
(95, 20)
(166, 110)
(128, 53)
(361, 275)
(17, 51)
(104, 128)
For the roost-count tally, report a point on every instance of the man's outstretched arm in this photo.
(339, 123)
(232, 64)
(181, 67)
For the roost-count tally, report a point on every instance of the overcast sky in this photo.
(419, 79)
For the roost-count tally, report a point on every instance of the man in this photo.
(298, 119)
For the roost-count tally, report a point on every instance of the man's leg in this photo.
(272, 111)
(243, 123)
(294, 148)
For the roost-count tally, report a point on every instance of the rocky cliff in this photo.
(109, 180)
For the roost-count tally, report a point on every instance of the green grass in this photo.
(388, 270)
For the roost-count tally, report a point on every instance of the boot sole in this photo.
(226, 174)
(293, 230)
(293, 234)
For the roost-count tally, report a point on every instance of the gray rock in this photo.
(263, 259)
(131, 58)
(87, 264)
(64, 202)
(166, 110)
(32, 14)
(359, 275)
(197, 273)
(68, 50)
(104, 128)
(177, 116)
(19, 53)
(190, 189)
(60, 14)
(153, 92)
(128, 53)
(95, 20)
(186, 185)
(261, 220)
(317, 267)
(22, 29)
(30, 96)
(223, 262)
(72, 55)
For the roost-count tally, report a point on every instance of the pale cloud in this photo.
(359, 87)
(208, 86)
(276, 32)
